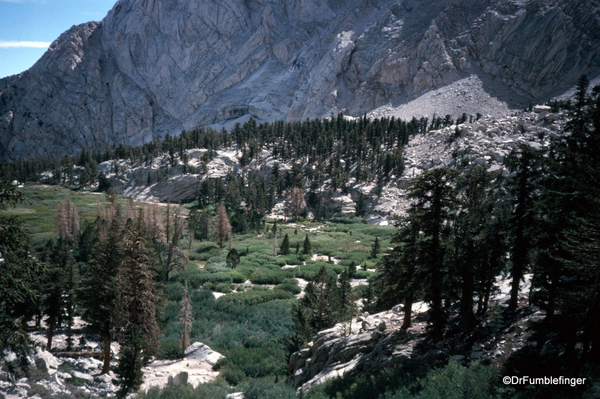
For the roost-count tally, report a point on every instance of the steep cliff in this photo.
(155, 67)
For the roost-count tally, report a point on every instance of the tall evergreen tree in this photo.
(135, 312)
(306, 247)
(99, 286)
(19, 273)
(524, 163)
(470, 224)
(285, 245)
(222, 225)
(434, 196)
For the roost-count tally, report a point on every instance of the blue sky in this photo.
(27, 27)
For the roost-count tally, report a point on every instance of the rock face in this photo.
(155, 67)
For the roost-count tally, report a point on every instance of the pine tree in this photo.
(285, 245)
(135, 312)
(222, 225)
(321, 302)
(523, 162)
(129, 370)
(54, 286)
(434, 198)
(376, 248)
(67, 221)
(360, 205)
(99, 286)
(295, 203)
(170, 253)
(233, 258)
(19, 273)
(352, 269)
(469, 229)
(399, 278)
(347, 300)
(306, 247)
(186, 320)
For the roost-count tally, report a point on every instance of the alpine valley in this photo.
(262, 199)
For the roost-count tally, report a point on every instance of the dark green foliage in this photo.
(290, 285)
(451, 381)
(129, 370)
(285, 245)
(232, 373)
(170, 348)
(320, 306)
(434, 198)
(306, 248)
(253, 362)
(262, 276)
(255, 295)
(352, 269)
(524, 162)
(376, 248)
(202, 391)
(174, 291)
(233, 258)
(18, 280)
(237, 278)
(265, 389)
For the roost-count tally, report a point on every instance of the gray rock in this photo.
(476, 355)
(202, 352)
(45, 361)
(381, 326)
(458, 358)
(541, 108)
(180, 379)
(56, 380)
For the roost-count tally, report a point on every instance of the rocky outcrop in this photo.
(151, 68)
(371, 343)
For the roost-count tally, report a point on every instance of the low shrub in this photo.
(225, 288)
(361, 274)
(291, 288)
(170, 348)
(202, 391)
(237, 277)
(174, 291)
(265, 276)
(291, 260)
(265, 389)
(255, 295)
(233, 374)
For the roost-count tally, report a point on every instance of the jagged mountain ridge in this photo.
(155, 67)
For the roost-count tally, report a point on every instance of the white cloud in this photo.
(23, 44)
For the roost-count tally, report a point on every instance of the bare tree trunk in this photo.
(408, 302)
(106, 341)
(51, 324)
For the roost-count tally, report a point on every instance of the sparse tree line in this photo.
(319, 150)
